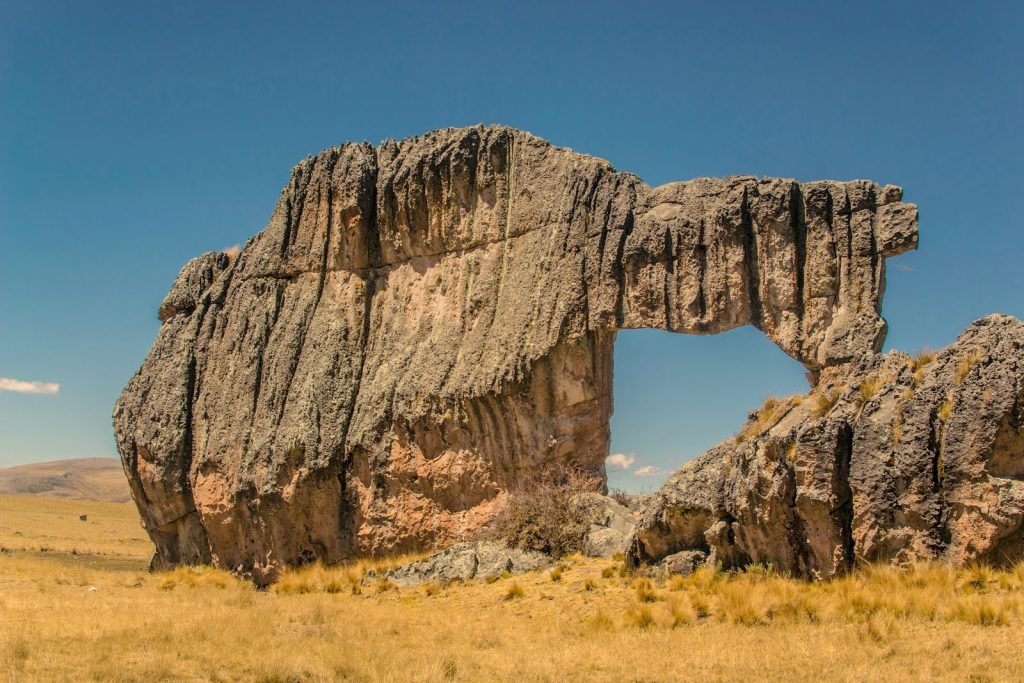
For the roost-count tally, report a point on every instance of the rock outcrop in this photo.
(425, 324)
(465, 562)
(898, 459)
(611, 527)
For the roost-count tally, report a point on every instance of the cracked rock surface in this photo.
(425, 324)
(895, 459)
(464, 562)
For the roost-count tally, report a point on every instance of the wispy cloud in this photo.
(621, 460)
(648, 471)
(903, 267)
(22, 387)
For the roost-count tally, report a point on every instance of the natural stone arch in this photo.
(425, 323)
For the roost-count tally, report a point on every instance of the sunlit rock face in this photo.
(425, 324)
(893, 459)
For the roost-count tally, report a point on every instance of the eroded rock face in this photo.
(611, 525)
(425, 324)
(895, 460)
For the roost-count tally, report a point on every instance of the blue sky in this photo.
(136, 135)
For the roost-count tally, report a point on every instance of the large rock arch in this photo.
(425, 323)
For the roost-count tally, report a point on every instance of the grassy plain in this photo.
(73, 478)
(76, 603)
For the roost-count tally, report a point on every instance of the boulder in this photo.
(683, 563)
(611, 525)
(465, 561)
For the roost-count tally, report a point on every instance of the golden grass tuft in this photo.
(601, 621)
(767, 416)
(200, 577)
(341, 578)
(945, 409)
(682, 612)
(917, 365)
(645, 590)
(515, 591)
(868, 388)
(966, 364)
(640, 616)
(824, 401)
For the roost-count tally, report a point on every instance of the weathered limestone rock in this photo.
(899, 459)
(424, 324)
(612, 526)
(466, 561)
(683, 563)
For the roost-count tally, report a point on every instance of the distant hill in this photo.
(76, 479)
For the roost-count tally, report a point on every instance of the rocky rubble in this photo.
(466, 561)
(425, 324)
(897, 459)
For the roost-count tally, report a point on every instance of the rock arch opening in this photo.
(677, 395)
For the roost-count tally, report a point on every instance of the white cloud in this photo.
(22, 387)
(621, 460)
(648, 471)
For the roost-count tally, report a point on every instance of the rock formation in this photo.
(611, 525)
(425, 324)
(897, 460)
(464, 562)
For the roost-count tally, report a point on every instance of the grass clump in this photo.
(945, 409)
(765, 417)
(965, 366)
(979, 611)
(918, 364)
(514, 592)
(601, 621)
(645, 590)
(740, 605)
(824, 401)
(640, 617)
(897, 429)
(384, 584)
(200, 577)
(868, 388)
(682, 612)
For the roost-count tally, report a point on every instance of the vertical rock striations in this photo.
(898, 460)
(424, 324)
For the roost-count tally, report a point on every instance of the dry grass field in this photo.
(76, 603)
